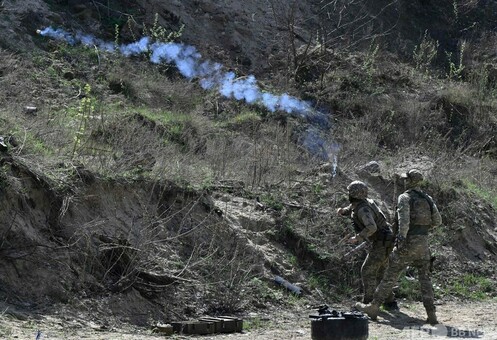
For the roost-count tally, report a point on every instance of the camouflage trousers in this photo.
(373, 268)
(415, 252)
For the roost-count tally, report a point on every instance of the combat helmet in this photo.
(358, 190)
(414, 176)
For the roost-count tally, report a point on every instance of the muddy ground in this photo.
(458, 320)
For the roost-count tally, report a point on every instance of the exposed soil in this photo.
(457, 320)
(79, 256)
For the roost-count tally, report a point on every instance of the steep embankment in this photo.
(130, 194)
(139, 251)
(85, 237)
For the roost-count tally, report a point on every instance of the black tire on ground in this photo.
(340, 328)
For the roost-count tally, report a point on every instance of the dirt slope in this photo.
(84, 254)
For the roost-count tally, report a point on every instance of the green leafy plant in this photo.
(456, 68)
(159, 33)
(318, 281)
(116, 34)
(455, 9)
(85, 111)
(293, 260)
(369, 64)
(409, 288)
(272, 201)
(317, 189)
(425, 52)
(470, 286)
(263, 291)
(31, 142)
(485, 193)
(244, 118)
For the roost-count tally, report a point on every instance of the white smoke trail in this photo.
(333, 151)
(188, 62)
(210, 75)
(334, 166)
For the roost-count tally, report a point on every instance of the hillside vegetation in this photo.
(129, 193)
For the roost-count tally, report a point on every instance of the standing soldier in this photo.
(417, 214)
(370, 226)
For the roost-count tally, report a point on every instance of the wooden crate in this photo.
(194, 327)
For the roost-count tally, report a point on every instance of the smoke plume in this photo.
(212, 76)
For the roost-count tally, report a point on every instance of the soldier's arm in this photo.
(345, 211)
(366, 217)
(403, 212)
(436, 218)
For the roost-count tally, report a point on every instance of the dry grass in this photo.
(146, 123)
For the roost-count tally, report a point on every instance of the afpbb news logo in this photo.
(428, 331)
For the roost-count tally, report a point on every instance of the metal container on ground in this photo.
(334, 325)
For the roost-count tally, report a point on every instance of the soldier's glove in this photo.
(400, 242)
(343, 212)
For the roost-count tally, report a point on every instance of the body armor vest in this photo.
(383, 228)
(421, 209)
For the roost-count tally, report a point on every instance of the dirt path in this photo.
(458, 320)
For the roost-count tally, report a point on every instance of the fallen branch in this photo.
(161, 279)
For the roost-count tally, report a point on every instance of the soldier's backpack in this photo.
(421, 209)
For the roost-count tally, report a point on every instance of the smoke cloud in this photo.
(211, 76)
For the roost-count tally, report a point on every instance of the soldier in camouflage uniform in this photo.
(370, 225)
(417, 214)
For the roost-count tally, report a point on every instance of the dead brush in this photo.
(144, 256)
(228, 277)
(180, 243)
(263, 154)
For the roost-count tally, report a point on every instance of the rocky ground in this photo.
(457, 320)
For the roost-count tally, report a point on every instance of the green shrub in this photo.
(457, 67)
(470, 286)
(485, 193)
(85, 111)
(425, 52)
(409, 288)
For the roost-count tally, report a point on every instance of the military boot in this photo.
(432, 317)
(371, 309)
